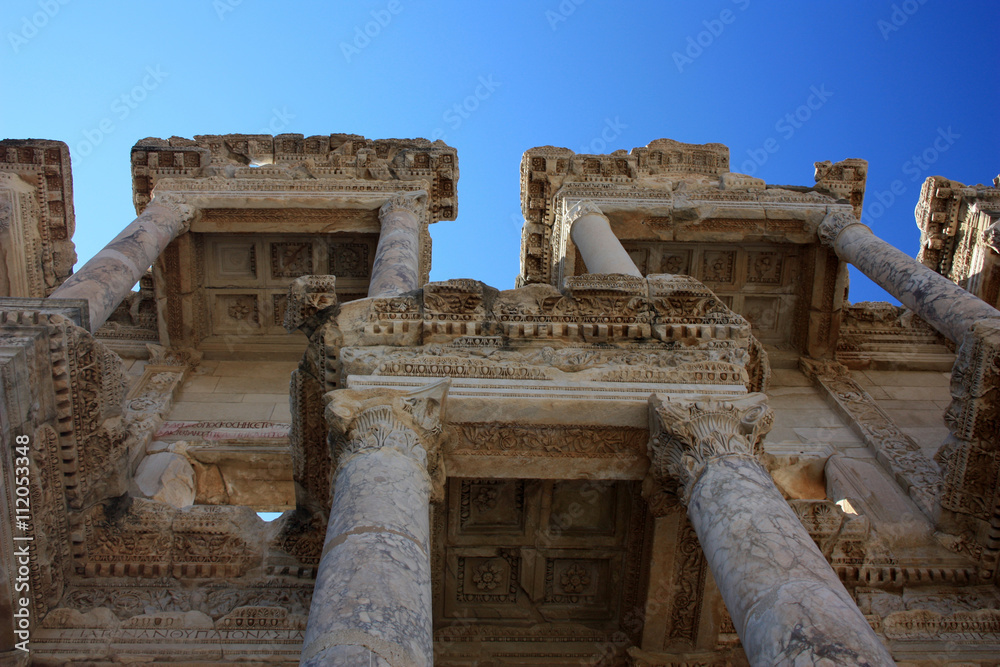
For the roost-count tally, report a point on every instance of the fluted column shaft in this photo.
(108, 277)
(601, 250)
(941, 303)
(397, 256)
(787, 604)
(372, 601)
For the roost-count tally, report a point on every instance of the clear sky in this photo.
(911, 86)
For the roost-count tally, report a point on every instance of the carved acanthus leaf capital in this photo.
(833, 224)
(686, 435)
(363, 421)
(582, 208)
(404, 201)
(176, 203)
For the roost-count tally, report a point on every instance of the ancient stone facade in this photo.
(673, 443)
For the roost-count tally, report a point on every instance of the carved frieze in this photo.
(510, 439)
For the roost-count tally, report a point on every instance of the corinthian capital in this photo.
(833, 224)
(373, 419)
(404, 201)
(177, 204)
(685, 435)
(582, 208)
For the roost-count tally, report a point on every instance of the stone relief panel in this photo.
(509, 550)
(350, 260)
(244, 282)
(291, 260)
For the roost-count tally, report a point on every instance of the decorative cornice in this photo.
(404, 201)
(686, 435)
(833, 224)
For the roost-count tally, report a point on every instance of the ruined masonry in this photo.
(675, 442)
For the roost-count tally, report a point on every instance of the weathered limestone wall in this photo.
(803, 416)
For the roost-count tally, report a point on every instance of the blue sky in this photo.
(910, 86)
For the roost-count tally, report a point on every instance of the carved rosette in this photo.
(366, 421)
(687, 435)
(583, 208)
(833, 224)
(408, 202)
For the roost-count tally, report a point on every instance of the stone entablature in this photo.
(269, 209)
(336, 157)
(36, 217)
(683, 212)
(958, 234)
(880, 335)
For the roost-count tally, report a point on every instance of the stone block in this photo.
(166, 477)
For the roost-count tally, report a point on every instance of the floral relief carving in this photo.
(574, 579)
(487, 576)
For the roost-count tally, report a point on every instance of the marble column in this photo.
(372, 600)
(397, 257)
(108, 277)
(787, 604)
(600, 248)
(941, 303)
